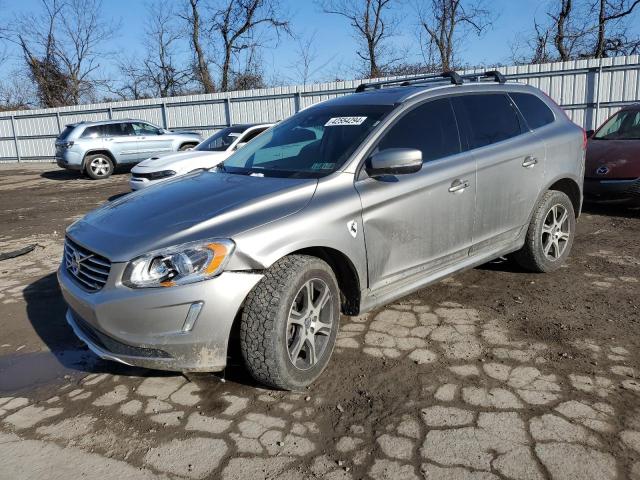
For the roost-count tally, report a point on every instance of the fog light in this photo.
(192, 316)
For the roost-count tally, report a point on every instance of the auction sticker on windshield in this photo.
(341, 121)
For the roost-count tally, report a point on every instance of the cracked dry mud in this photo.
(492, 374)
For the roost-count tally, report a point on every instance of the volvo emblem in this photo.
(603, 170)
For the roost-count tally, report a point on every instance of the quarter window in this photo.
(486, 118)
(92, 132)
(430, 128)
(536, 113)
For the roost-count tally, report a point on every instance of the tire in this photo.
(550, 234)
(98, 166)
(186, 146)
(276, 321)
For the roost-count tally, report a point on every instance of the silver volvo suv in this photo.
(96, 148)
(344, 207)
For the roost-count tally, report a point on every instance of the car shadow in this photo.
(62, 175)
(611, 210)
(502, 264)
(117, 196)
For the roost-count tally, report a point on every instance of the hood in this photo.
(189, 208)
(621, 157)
(181, 161)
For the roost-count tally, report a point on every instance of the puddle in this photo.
(29, 370)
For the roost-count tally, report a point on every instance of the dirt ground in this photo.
(494, 373)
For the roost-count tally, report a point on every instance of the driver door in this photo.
(151, 141)
(418, 223)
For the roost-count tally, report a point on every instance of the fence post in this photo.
(110, 113)
(594, 124)
(227, 111)
(59, 122)
(164, 115)
(297, 101)
(15, 137)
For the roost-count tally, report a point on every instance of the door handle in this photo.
(458, 185)
(529, 161)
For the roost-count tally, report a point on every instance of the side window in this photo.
(536, 113)
(92, 132)
(141, 129)
(118, 129)
(486, 118)
(430, 127)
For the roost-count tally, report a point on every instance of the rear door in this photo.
(510, 160)
(121, 142)
(418, 223)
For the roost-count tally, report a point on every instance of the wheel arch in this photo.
(571, 189)
(98, 151)
(345, 272)
(184, 143)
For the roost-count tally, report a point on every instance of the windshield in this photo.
(622, 126)
(311, 144)
(221, 140)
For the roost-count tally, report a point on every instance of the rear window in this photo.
(66, 132)
(486, 118)
(93, 132)
(536, 113)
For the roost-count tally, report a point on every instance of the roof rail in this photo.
(455, 78)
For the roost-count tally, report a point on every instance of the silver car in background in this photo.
(96, 148)
(344, 207)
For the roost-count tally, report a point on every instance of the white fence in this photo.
(589, 90)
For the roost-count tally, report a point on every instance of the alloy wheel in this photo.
(555, 232)
(310, 324)
(99, 166)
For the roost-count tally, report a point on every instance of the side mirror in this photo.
(394, 161)
(590, 133)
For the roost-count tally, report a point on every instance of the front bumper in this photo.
(144, 327)
(618, 191)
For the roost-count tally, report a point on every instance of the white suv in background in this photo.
(205, 155)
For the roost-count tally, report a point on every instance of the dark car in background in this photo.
(613, 160)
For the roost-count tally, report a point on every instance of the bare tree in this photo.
(447, 21)
(195, 25)
(611, 14)
(236, 23)
(307, 64)
(161, 68)
(373, 23)
(62, 49)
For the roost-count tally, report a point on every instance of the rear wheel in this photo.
(290, 321)
(98, 166)
(550, 234)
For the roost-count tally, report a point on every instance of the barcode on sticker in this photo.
(341, 121)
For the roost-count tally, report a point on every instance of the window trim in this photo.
(524, 127)
(553, 113)
(360, 171)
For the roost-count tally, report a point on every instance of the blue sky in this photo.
(334, 40)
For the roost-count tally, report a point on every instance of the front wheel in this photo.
(98, 166)
(550, 234)
(290, 321)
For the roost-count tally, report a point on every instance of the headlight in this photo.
(179, 265)
(162, 174)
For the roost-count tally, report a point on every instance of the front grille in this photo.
(90, 270)
(111, 345)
